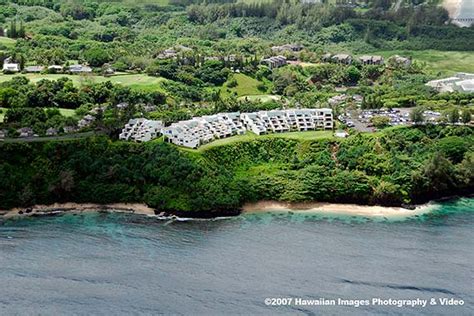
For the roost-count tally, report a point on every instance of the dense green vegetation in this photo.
(400, 165)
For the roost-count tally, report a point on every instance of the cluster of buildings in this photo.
(346, 59)
(461, 82)
(201, 130)
(12, 67)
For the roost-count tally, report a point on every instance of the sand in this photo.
(334, 208)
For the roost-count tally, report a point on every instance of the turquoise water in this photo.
(118, 264)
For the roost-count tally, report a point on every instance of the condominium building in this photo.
(141, 130)
(200, 130)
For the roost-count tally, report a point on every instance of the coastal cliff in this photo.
(391, 168)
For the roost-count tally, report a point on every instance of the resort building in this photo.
(200, 130)
(274, 62)
(141, 130)
(252, 122)
(9, 66)
(462, 82)
(34, 69)
(79, 69)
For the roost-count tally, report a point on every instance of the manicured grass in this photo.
(67, 112)
(443, 62)
(304, 136)
(135, 81)
(245, 86)
(261, 97)
(7, 42)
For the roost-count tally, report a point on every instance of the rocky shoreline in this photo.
(254, 207)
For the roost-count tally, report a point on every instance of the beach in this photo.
(257, 207)
(335, 208)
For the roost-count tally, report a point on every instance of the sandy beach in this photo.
(334, 208)
(453, 7)
(58, 208)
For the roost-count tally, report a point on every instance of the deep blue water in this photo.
(112, 264)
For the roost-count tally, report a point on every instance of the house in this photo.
(326, 57)
(86, 121)
(371, 60)
(34, 69)
(342, 59)
(51, 131)
(462, 82)
(26, 132)
(55, 68)
(141, 130)
(75, 69)
(274, 62)
(399, 61)
(287, 48)
(9, 66)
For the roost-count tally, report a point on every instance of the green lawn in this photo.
(7, 42)
(444, 62)
(245, 86)
(309, 135)
(135, 81)
(67, 112)
(261, 97)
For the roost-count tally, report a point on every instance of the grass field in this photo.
(245, 86)
(135, 81)
(309, 135)
(261, 97)
(7, 42)
(443, 62)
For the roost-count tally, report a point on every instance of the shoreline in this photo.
(336, 208)
(70, 207)
(247, 208)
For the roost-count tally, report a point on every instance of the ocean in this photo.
(122, 264)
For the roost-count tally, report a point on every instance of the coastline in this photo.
(60, 208)
(248, 208)
(335, 208)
